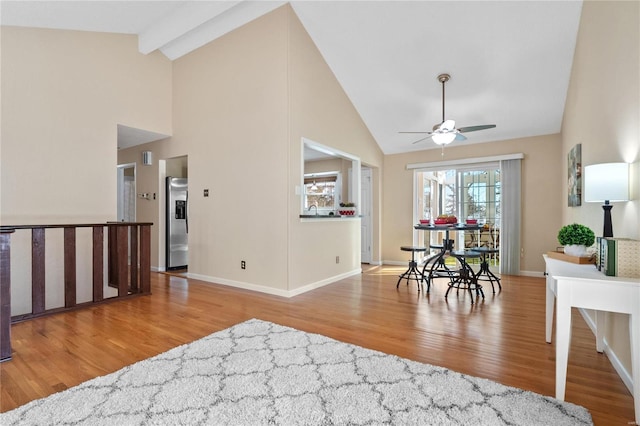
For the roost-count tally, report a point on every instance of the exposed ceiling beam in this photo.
(180, 21)
(217, 26)
(131, 136)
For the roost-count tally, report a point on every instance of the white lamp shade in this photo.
(443, 138)
(606, 182)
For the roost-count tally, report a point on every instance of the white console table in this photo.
(583, 286)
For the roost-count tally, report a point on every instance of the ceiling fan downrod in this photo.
(443, 78)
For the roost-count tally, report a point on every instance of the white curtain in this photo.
(510, 171)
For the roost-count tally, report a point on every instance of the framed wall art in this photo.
(575, 176)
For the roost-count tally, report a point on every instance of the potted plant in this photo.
(576, 238)
(347, 209)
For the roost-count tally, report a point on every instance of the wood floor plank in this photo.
(501, 338)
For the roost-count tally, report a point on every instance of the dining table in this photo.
(436, 262)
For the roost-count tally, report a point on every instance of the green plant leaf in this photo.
(576, 234)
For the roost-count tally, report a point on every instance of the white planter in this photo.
(575, 250)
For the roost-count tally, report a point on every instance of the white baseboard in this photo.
(271, 290)
(613, 358)
(324, 282)
(157, 269)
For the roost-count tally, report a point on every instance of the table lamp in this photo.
(606, 182)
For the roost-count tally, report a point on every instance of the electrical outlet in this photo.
(243, 264)
(337, 259)
(206, 192)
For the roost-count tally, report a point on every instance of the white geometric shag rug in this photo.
(259, 373)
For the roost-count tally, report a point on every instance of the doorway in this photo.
(176, 214)
(126, 192)
(366, 231)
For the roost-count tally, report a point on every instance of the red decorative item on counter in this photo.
(449, 220)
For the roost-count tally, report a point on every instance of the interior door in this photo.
(365, 212)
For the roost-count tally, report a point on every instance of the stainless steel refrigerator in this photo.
(177, 244)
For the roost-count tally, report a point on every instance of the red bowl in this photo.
(472, 221)
(424, 221)
(440, 221)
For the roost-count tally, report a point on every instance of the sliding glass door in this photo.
(466, 192)
(487, 189)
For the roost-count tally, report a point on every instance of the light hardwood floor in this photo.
(501, 338)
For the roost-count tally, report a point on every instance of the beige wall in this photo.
(542, 182)
(63, 94)
(319, 166)
(230, 115)
(241, 107)
(603, 114)
(320, 111)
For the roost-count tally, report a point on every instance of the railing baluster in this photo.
(98, 263)
(121, 260)
(145, 259)
(134, 257)
(37, 270)
(112, 262)
(69, 267)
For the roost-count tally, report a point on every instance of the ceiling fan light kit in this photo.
(445, 132)
(444, 138)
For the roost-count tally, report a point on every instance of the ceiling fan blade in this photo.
(474, 128)
(420, 140)
(460, 137)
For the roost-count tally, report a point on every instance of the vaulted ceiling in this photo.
(509, 61)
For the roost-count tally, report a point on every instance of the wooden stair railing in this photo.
(128, 265)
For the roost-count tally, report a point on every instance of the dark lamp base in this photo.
(608, 226)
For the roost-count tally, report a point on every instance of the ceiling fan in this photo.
(445, 132)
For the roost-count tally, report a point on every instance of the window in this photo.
(494, 197)
(462, 193)
(320, 190)
(480, 195)
(467, 192)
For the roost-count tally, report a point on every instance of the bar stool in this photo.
(412, 273)
(465, 278)
(436, 263)
(484, 267)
